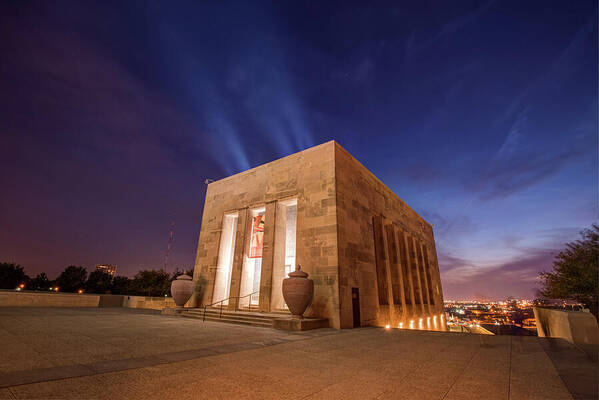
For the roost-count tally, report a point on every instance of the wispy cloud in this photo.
(514, 137)
(506, 178)
(464, 277)
(520, 274)
(451, 27)
(449, 226)
(549, 77)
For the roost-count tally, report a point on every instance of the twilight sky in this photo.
(482, 116)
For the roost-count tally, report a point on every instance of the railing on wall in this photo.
(229, 298)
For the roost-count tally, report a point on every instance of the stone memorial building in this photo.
(372, 257)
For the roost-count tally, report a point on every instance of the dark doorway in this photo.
(355, 303)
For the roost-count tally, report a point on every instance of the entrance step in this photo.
(251, 318)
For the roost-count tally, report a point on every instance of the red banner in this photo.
(257, 237)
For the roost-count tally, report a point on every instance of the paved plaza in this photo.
(115, 353)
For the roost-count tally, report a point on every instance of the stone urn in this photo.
(298, 292)
(181, 290)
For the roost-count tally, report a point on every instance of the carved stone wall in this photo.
(380, 239)
(308, 176)
(352, 232)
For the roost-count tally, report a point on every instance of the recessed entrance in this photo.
(355, 303)
(222, 282)
(252, 266)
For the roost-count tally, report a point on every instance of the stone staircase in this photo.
(251, 318)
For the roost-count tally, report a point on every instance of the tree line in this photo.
(575, 272)
(75, 279)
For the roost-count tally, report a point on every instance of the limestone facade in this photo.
(365, 249)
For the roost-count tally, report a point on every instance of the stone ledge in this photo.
(173, 311)
(297, 324)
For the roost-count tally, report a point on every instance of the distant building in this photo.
(109, 269)
(372, 258)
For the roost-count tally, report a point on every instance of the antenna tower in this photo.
(170, 243)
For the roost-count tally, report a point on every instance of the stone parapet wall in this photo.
(12, 298)
(42, 299)
(576, 327)
(151, 303)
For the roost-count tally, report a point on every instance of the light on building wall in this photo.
(387, 327)
(412, 324)
(401, 325)
(420, 323)
(435, 321)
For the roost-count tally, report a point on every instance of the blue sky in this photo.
(481, 115)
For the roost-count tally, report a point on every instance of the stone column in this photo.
(416, 267)
(278, 270)
(426, 291)
(410, 277)
(388, 270)
(435, 267)
(402, 292)
(430, 279)
(268, 247)
(240, 239)
(382, 279)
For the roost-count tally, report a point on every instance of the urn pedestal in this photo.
(298, 292)
(181, 290)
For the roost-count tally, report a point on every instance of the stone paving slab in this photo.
(230, 362)
(573, 367)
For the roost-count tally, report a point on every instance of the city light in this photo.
(420, 323)
(401, 325)
(513, 314)
(22, 285)
(387, 327)
(56, 289)
(412, 324)
(80, 291)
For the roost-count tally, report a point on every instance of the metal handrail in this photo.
(229, 298)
